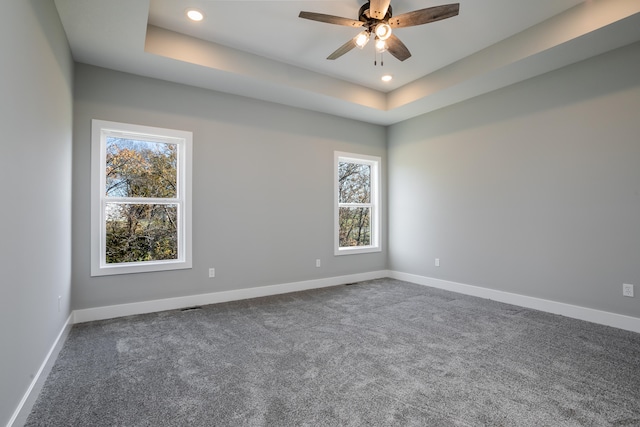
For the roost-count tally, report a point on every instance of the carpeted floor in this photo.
(377, 353)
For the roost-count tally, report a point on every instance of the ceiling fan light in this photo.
(361, 39)
(381, 45)
(383, 31)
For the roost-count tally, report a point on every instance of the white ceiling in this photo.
(261, 49)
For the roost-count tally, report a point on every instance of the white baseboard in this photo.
(21, 413)
(99, 313)
(113, 311)
(23, 410)
(582, 313)
(619, 321)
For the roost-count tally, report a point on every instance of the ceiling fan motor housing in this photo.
(364, 15)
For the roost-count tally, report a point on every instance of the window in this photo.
(140, 198)
(357, 203)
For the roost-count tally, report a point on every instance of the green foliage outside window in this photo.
(139, 230)
(354, 181)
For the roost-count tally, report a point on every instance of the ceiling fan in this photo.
(377, 18)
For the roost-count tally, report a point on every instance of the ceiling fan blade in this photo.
(342, 50)
(424, 16)
(330, 19)
(378, 8)
(396, 48)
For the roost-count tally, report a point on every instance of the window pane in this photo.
(141, 232)
(140, 168)
(354, 180)
(355, 227)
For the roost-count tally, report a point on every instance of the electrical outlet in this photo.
(318, 262)
(437, 262)
(212, 272)
(627, 290)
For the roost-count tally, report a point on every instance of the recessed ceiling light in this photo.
(387, 78)
(195, 15)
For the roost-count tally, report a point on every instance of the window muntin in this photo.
(141, 198)
(357, 211)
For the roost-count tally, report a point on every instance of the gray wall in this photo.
(533, 189)
(262, 192)
(35, 253)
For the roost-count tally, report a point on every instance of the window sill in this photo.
(139, 267)
(357, 250)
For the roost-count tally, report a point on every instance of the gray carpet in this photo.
(377, 353)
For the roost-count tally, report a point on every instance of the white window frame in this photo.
(375, 163)
(100, 130)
